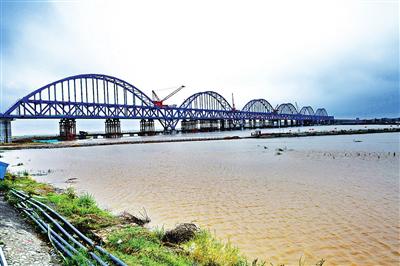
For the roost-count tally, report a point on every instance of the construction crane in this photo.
(233, 104)
(160, 102)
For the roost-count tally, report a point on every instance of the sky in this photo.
(341, 55)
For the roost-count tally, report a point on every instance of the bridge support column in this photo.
(188, 126)
(263, 123)
(204, 125)
(214, 125)
(113, 128)
(5, 131)
(250, 123)
(147, 127)
(193, 125)
(184, 126)
(67, 129)
(222, 124)
(230, 124)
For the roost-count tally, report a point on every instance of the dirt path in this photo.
(20, 243)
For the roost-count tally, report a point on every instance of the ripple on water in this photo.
(273, 207)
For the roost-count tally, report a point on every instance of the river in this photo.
(331, 197)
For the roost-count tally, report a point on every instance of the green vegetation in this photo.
(134, 244)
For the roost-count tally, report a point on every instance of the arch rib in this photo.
(258, 105)
(88, 95)
(286, 108)
(307, 110)
(208, 100)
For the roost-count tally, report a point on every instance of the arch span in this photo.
(207, 100)
(83, 96)
(307, 110)
(286, 108)
(259, 106)
(321, 112)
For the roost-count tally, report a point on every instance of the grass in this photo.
(133, 244)
(207, 250)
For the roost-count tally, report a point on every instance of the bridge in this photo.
(97, 96)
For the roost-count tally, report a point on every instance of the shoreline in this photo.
(32, 145)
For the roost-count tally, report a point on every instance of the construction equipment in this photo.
(160, 102)
(233, 103)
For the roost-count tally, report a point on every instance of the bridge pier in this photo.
(189, 126)
(67, 129)
(5, 131)
(263, 123)
(231, 125)
(214, 125)
(222, 124)
(184, 126)
(204, 125)
(193, 125)
(113, 128)
(147, 127)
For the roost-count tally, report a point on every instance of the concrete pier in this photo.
(5, 131)
(147, 127)
(189, 126)
(113, 128)
(67, 129)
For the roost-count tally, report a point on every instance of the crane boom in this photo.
(155, 96)
(160, 103)
(173, 93)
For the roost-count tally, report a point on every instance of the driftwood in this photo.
(131, 219)
(182, 233)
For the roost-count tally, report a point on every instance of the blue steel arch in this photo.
(307, 110)
(321, 112)
(259, 106)
(96, 96)
(84, 96)
(286, 108)
(206, 100)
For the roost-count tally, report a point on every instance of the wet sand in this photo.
(332, 197)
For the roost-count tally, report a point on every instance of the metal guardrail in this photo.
(67, 239)
(3, 261)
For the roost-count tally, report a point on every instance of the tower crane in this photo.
(160, 102)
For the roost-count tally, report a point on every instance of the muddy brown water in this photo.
(332, 197)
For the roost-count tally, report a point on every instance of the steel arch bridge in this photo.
(98, 96)
(307, 110)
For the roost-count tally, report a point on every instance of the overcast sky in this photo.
(341, 55)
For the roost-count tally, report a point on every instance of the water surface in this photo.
(332, 197)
